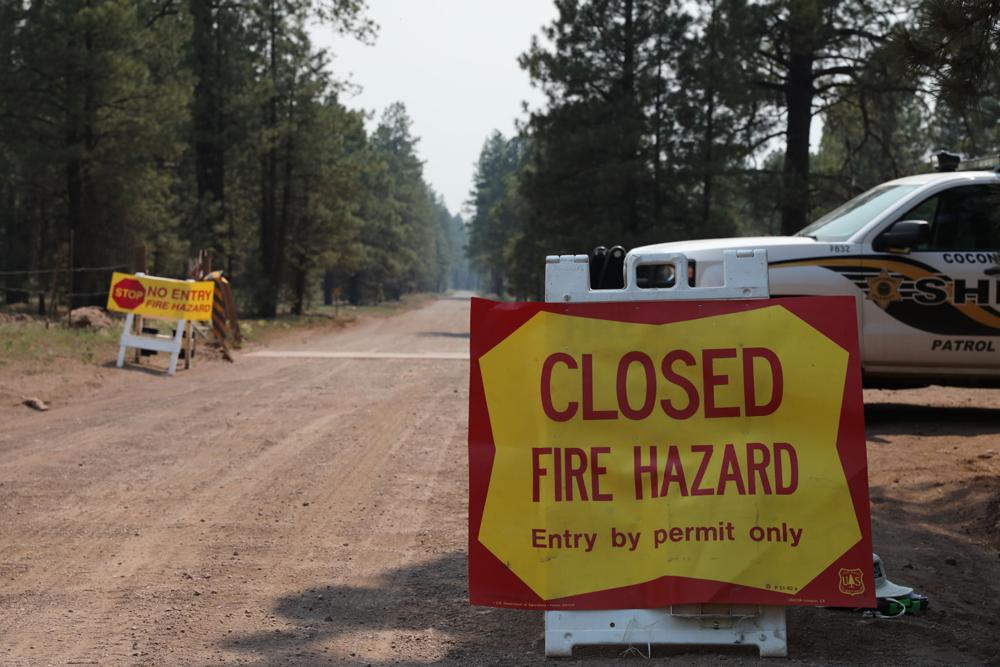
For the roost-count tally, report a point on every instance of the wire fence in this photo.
(57, 290)
(63, 270)
(45, 292)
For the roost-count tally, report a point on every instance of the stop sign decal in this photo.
(128, 293)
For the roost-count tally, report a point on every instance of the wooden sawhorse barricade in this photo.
(567, 280)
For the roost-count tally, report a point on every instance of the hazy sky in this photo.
(454, 64)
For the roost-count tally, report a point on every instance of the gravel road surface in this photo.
(310, 508)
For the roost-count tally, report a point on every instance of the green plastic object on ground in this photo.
(910, 603)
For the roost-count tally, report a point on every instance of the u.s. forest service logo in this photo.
(852, 581)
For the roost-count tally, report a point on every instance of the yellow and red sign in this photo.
(635, 455)
(163, 298)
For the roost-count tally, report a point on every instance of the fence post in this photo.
(138, 266)
(52, 295)
(69, 282)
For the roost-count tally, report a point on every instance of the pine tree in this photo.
(591, 182)
(955, 44)
(399, 233)
(874, 131)
(810, 51)
(495, 224)
(97, 102)
(717, 119)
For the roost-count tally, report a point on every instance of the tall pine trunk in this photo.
(795, 174)
(80, 142)
(632, 117)
(209, 143)
(802, 26)
(269, 242)
(708, 138)
(299, 288)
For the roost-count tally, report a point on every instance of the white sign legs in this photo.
(171, 344)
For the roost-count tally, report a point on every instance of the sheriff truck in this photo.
(920, 256)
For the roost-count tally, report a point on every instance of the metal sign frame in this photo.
(567, 280)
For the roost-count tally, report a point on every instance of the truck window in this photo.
(961, 218)
(844, 221)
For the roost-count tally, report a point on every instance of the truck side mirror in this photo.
(903, 235)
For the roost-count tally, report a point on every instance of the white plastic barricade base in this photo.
(693, 625)
(171, 344)
(567, 280)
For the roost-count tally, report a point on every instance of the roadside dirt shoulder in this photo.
(70, 375)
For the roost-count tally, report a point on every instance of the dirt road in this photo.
(312, 509)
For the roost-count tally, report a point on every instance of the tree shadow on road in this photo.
(445, 334)
(421, 615)
(944, 541)
(420, 608)
(148, 368)
(908, 419)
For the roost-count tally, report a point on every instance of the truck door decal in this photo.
(918, 295)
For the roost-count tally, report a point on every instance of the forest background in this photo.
(182, 125)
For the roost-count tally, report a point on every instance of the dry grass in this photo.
(41, 341)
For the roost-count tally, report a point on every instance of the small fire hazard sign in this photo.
(161, 297)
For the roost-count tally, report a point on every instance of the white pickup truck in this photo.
(920, 256)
